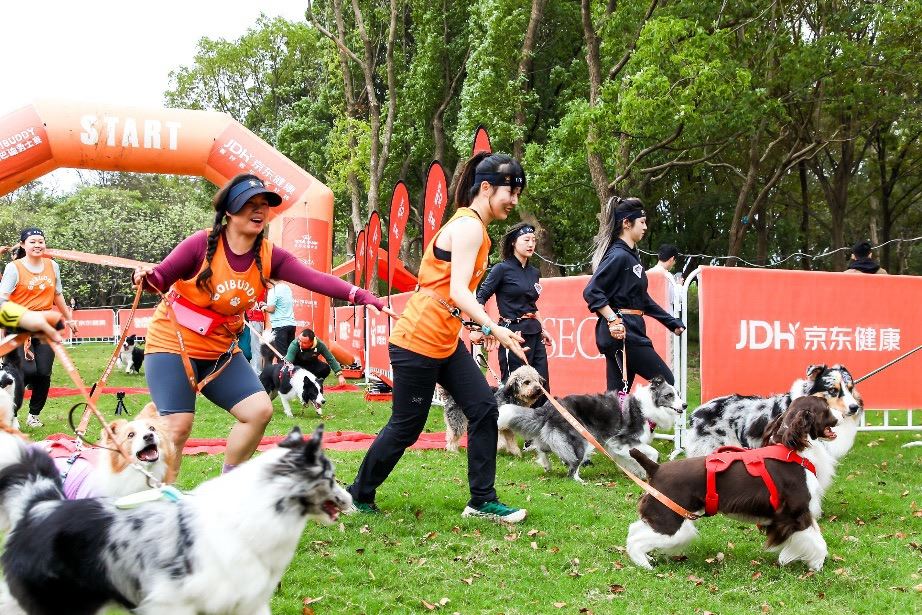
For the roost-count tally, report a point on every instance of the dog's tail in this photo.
(30, 477)
(645, 462)
(521, 420)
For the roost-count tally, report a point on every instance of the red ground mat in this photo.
(65, 392)
(333, 440)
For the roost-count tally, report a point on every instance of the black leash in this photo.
(883, 367)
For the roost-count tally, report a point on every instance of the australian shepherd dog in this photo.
(523, 387)
(740, 420)
(617, 428)
(221, 549)
(788, 515)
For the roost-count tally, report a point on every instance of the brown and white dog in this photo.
(790, 525)
(104, 472)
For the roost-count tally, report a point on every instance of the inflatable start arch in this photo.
(44, 136)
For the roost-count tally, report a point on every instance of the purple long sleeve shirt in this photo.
(184, 262)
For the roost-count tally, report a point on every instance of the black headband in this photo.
(630, 215)
(500, 179)
(525, 230)
(29, 232)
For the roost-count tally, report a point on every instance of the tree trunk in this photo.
(804, 215)
(597, 170)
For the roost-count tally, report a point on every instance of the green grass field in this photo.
(568, 556)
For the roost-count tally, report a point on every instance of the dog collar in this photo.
(168, 493)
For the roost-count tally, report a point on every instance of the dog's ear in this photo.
(814, 371)
(312, 446)
(657, 381)
(792, 427)
(115, 426)
(294, 438)
(149, 411)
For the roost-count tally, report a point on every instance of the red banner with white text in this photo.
(396, 225)
(761, 329)
(435, 199)
(94, 323)
(373, 242)
(139, 324)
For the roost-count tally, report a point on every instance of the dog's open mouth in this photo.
(149, 453)
(331, 509)
(829, 434)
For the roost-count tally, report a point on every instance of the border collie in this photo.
(222, 549)
(740, 420)
(130, 356)
(790, 525)
(522, 387)
(289, 382)
(12, 388)
(618, 429)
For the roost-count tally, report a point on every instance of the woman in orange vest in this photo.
(211, 278)
(425, 348)
(34, 282)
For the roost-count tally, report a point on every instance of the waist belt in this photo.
(453, 309)
(754, 459)
(197, 318)
(512, 321)
(629, 311)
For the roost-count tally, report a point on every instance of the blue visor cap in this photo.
(246, 190)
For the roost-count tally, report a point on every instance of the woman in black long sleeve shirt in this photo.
(517, 287)
(619, 283)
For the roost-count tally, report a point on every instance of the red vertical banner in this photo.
(373, 241)
(435, 200)
(360, 247)
(397, 224)
(303, 237)
(481, 141)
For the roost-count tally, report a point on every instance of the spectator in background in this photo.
(280, 306)
(666, 258)
(306, 351)
(257, 318)
(861, 260)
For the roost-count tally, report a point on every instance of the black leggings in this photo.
(37, 374)
(415, 377)
(641, 360)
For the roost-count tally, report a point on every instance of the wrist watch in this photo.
(611, 318)
(486, 329)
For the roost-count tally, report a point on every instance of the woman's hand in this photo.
(38, 322)
(385, 309)
(72, 324)
(546, 339)
(679, 330)
(616, 329)
(477, 337)
(510, 339)
(341, 379)
(141, 272)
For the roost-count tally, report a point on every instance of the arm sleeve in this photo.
(285, 266)
(57, 277)
(489, 286)
(604, 278)
(331, 360)
(292, 351)
(9, 281)
(653, 309)
(180, 264)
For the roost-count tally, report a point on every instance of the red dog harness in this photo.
(754, 458)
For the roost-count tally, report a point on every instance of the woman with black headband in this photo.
(617, 292)
(34, 282)
(425, 348)
(517, 287)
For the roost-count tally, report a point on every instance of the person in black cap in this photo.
(619, 285)
(861, 261)
(517, 287)
(210, 279)
(34, 282)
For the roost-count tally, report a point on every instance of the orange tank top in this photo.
(426, 326)
(233, 293)
(35, 291)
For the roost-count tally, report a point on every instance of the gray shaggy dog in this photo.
(522, 388)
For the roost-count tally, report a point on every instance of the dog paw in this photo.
(641, 560)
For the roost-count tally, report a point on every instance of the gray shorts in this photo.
(170, 390)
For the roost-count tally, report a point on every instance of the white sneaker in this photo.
(33, 421)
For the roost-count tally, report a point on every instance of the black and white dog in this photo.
(740, 420)
(522, 387)
(130, 356)
(289, 382)
(617, 429)
(220, 550)
(11, 388)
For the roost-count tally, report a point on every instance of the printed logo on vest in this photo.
(40, 281)
(538, 287)
(638, 270)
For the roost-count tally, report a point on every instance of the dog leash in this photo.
(883, 367)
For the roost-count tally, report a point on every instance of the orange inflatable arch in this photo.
(44, 136)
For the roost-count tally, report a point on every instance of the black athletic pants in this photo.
(537, 358)
(283, 338)
(37, 374)
(641, 360)
(317, 367)
(415, 377)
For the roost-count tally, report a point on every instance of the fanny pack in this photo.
(196, 318)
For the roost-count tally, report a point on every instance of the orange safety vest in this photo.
(35, 291)
(426, 326)
(233, 293)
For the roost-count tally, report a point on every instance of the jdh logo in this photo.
(759, 335)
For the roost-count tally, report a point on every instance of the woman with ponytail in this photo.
(210, 279)
(619, 284)
(34, 282)
(425, 348)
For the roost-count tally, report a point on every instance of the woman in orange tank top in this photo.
(211, 278)
(425, 348)
(34, 282)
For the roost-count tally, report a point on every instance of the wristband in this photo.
(486, 329)
(612, 318)
(10, 313)
(352, 293)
